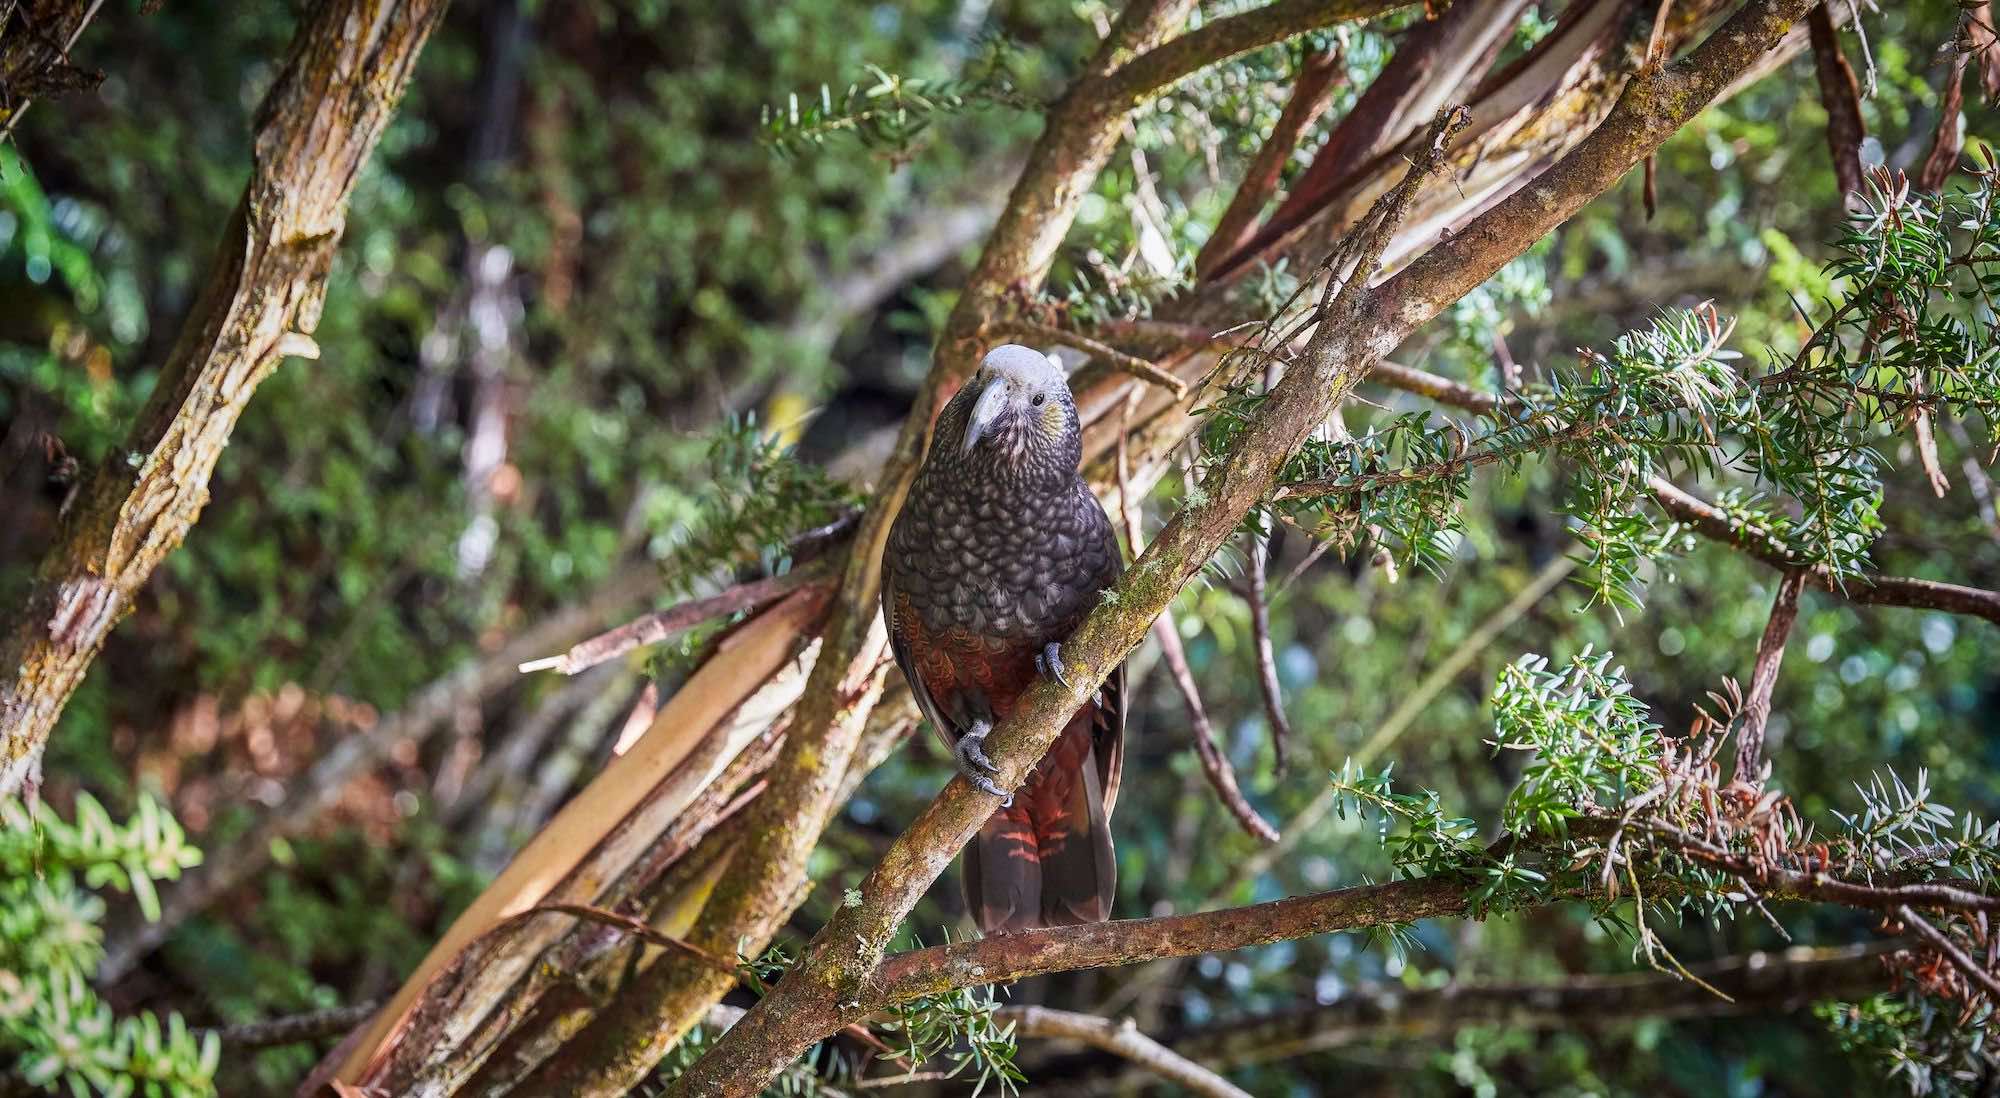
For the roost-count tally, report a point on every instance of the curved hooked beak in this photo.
(992, 404)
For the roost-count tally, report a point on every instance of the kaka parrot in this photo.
(998, 553)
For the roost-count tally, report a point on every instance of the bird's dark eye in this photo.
(1038, 399)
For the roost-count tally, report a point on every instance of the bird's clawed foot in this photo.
(1049, 662)
(973, 763)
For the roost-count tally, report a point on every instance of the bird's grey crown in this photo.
(1027, 364)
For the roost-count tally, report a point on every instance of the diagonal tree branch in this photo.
(1157, 69)
(616, 1050)
(347, 68)
(660, 624)
(935, 970)
(1260, 644)
(1940, 941)
(1764, 677)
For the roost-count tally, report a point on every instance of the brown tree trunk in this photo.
(349, 64)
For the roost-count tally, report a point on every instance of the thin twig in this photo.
(1940, 941)
(905, 1079)
(1770, 654)
(1403, 717)
(1819, 885)
(1221, 776)
(1267, 664)
(629, 925)
(1711, 522)
(1121, 1039)
(1867, 55)
(661, 624)
(297, 1028)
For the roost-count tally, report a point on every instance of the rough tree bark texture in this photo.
(349, 63)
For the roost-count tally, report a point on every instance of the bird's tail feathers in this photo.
(1047, 859)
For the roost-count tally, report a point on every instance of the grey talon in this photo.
(971, 759)
(973, 763)
(1050, 663)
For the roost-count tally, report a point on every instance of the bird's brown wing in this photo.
(901, 620)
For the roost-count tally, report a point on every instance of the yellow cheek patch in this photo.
(1052, 419)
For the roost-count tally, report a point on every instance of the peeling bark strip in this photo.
(1984, 40)
(349, 63)
(1948, 140)
(1320, 75)
(1433, 63)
